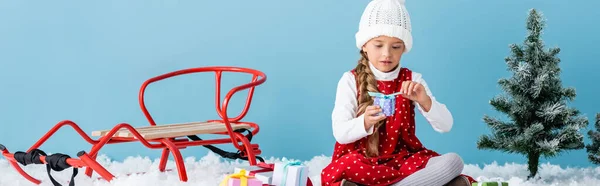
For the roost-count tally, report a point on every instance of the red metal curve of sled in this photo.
(222, 111)
(166, 144)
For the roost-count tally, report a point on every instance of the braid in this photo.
(367, 83)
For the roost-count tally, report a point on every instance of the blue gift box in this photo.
(387, 102)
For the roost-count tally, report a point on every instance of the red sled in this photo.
(168, 137)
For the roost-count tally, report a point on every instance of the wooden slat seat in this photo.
(175, 130)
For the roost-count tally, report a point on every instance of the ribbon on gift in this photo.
(285, 171)
(240, 175)
(265, 168)
(384, 96)
(482, 179)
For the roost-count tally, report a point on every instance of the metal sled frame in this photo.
(165, 137)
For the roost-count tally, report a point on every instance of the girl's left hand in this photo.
(414, 91)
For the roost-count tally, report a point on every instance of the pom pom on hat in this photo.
(387, 18)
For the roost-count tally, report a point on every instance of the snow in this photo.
(211, 169)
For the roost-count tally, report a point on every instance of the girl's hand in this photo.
(371, 117)
(416, 92)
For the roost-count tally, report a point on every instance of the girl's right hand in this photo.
(371, 117)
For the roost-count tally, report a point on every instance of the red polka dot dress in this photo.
(401, 153)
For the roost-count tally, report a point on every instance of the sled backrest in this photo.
(257, 79)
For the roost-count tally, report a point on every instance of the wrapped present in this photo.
(290, 174)
(488, 183)
(261, 171)
(483, 181)
(387, 102)
(240, 179)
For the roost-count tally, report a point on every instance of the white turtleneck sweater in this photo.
(347, 127)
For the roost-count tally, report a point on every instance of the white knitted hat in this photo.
(385, 17)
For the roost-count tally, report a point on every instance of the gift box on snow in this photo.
(483, 181)
(261, 171)
(387, 102)
(488, 183)
(291, 173)
(240, 179)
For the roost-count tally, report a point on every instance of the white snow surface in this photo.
(210, 170)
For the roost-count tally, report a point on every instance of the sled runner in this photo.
(168, 137)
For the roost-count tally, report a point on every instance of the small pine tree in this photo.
(593, 149)
(541, 123)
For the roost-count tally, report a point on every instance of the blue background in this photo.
(85, 61)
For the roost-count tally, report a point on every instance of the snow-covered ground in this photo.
(211, 169)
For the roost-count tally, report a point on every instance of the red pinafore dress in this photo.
(400, 152)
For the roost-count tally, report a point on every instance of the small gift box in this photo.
(240, 179)
(261, 171)
(482, 181)
(387, 102)
(290, 174)
(487, 183)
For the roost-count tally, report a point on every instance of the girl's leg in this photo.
(438, 171)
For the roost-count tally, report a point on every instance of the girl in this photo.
(373, 149)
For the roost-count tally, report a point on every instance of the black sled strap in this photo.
(225, 154)
(56, 162)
